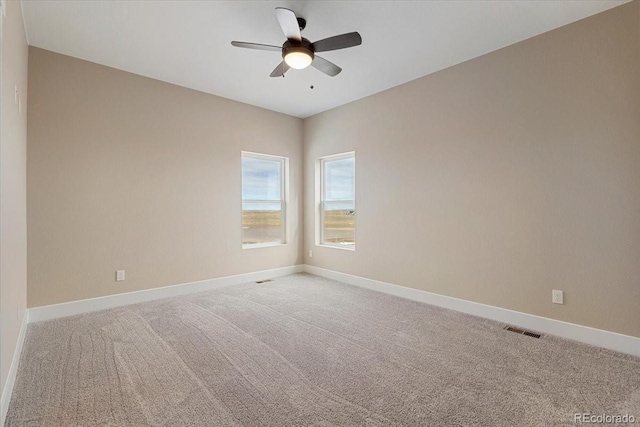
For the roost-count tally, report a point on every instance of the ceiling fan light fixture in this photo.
(298, 57)
(298, 52)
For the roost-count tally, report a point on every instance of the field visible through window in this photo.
(340, 226)
(261, 227)
(265, 226)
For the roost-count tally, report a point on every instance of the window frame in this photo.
(284, 198)
(320, 200)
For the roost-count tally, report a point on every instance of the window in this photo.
(337, 204)
(263, 200)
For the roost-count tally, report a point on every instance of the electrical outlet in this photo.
(15, 93)
(310, 253)
(557, 297)
(120, 276)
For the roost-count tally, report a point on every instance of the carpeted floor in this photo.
(306, 351)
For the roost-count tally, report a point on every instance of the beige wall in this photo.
(126, 172)
(502, 178)
(13, 190)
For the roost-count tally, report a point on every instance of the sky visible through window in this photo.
(261, 180)
(340, 183)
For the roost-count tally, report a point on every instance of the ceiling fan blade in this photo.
(257, 46)
(288, 23)
(337, 42)
(280, 70)
(327, 67)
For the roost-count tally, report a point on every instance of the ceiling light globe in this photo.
(298, 59)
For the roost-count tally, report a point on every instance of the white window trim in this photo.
(319, 220)
(284, 194)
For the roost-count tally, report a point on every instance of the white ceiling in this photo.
(188, 42)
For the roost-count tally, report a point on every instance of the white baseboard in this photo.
(597, 337)
(55, 311)
(13, 369)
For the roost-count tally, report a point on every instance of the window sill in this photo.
(262, 245)
(341, 247)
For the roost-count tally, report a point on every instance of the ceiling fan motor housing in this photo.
(293, 46)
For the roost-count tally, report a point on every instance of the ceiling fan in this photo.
(298, 52)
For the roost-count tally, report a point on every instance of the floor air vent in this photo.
(264, 281)
(522, 331)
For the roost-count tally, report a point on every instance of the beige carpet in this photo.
(306, 351)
